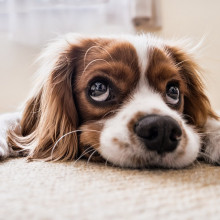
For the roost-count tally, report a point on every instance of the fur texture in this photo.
(91, 93)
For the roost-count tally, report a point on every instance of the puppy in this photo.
(132, 101)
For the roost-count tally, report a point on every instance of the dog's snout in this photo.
(159, 133)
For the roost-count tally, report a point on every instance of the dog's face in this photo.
(132, 101)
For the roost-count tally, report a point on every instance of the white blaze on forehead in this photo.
(143, 45)
(142, 48)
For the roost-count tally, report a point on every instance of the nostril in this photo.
(146, 130)
(175, 134)
(152, 133)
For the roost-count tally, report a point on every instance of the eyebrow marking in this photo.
(91, 62)
(163, 70)
(95, 46)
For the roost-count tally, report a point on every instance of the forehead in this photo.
(133, 58)
(144, 46)
(129, 49)
(136, 52)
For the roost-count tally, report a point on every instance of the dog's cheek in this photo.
(89, 141)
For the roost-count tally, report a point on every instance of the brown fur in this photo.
(163, 70)
(89, 140)
(60, 106)
(52, 116)
(197, 107)
(175, 64)
(49, 115)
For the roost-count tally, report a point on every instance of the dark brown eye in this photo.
(99, 91)
(172, 94)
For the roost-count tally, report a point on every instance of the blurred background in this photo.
(27, 25)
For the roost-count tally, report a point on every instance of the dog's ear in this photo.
(50, 119)
(197, 108)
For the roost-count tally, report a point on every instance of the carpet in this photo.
(39, 190)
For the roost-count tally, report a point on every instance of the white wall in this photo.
(197, 19)
(191, 18)
(16, 70)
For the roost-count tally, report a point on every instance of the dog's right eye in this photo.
(99, 91)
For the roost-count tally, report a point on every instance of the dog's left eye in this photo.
(172, 94)
(99, 91)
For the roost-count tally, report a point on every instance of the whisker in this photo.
(106, 161)
(88, 150)
(112, 111)
(93, 62)
(83, 154)
(71, 132)
(91, 156)
(197, 163)
(96, 46)
(208, 158)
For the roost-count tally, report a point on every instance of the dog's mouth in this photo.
(132, 156)
(147, 159)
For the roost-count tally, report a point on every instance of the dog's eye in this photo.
(172, 94)
(99, 91)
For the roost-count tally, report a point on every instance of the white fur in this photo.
(144, 100)
(7, 121)
(212, 141)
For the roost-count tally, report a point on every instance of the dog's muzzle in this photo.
(158, 133)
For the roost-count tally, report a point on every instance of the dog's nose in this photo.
(159, 133)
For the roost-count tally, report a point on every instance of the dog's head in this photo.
(134, 101)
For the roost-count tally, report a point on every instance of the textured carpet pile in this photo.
(38, 190)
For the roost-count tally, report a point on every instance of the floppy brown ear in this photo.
(197, 107)
(50, 118)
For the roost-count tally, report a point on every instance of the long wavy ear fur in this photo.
(197, 107)
(50, 113)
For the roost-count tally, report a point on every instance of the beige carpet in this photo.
(39, 190)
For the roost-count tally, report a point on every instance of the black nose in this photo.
(159, 133)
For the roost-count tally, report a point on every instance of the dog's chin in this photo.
(152, 160)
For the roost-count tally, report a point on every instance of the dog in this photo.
(132, 101)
